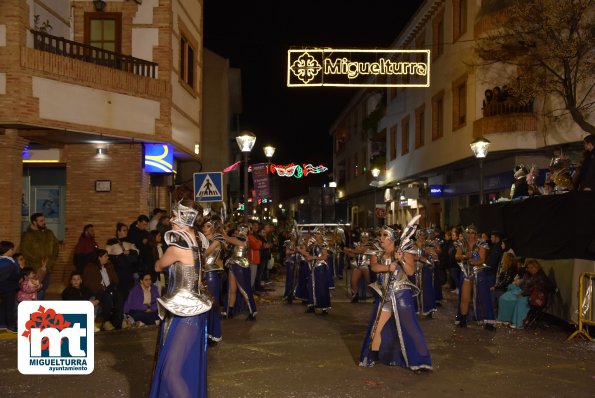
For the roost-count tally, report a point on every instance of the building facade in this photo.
(429, 167)
(84, 87)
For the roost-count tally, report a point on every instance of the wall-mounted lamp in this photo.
(101, 151)
(99, 5)
(196, 149)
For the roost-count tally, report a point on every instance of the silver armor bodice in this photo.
(211, 263)
(397, 281)
(238, 257)
(182, 297)
(316, 250)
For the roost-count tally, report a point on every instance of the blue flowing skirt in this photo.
(402, 340)
(318, 288)
(242, 276)
(214, 315)
(181, 370)
(330, 261)
(481, 308)
(289, 280)
(301, 290)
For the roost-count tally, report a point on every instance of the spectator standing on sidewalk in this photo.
(254, 246)
(9, 284)
(157, 214)
(585, 180)
(85, 248)
(139, 235)
(39, 243)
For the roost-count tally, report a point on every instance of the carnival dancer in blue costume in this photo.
(181, 369)
(292, 261)
(301, 289)
(424, 275)
(213, 231)
(240, 297)
(394, 336)
(319, 295)
(475, 289)
(360, 261)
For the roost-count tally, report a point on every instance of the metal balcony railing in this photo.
(501, 108)
(67, 48)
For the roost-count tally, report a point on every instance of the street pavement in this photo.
(288, 353)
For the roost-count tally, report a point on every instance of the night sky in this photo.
(256, 35)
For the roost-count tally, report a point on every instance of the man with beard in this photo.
(39, 245)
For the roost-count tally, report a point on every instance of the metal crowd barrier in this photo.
(585, 306)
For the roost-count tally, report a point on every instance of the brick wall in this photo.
(128, 197)
(11, 187)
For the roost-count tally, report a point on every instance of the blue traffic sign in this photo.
(208, 187)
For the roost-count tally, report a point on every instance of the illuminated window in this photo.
(420, 126)
(438, 35)
(438, 115)
(393, 142)
(104, 30)
(405, 135)
(459, 102)
(459, 23)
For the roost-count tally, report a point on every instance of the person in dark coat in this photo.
(585, 180)
(9, 284)
(85, 248)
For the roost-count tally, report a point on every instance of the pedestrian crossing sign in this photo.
(208, 187)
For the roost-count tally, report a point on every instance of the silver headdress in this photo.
(470, 228)
(242, 231)
(392, 233)
(183, 215)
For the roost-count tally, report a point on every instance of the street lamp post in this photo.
(375, 174)
(246, 142)
(269, 151)
(480, 150)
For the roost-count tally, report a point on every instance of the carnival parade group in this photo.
(396, 265)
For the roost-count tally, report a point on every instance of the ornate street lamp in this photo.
(269, 151)
(375, 174)
(246, 142)
(480, 150)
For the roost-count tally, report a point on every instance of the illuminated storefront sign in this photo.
(159, 158)
(354, 68)
(436, 190)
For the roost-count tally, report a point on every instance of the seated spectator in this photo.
(77, 292)
(508, 270)
(141, 304)
(85, 248)
(30, 285)
(531, 289)
(9, 285)
(102, 281)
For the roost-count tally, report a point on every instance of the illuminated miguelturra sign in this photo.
(355, 68)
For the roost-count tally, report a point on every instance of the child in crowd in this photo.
(30, 285)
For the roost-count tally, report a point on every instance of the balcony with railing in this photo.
(505, 115)
(67, 48)
(78, 62)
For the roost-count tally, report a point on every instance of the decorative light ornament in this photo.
(295, 170)
(375, 172)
